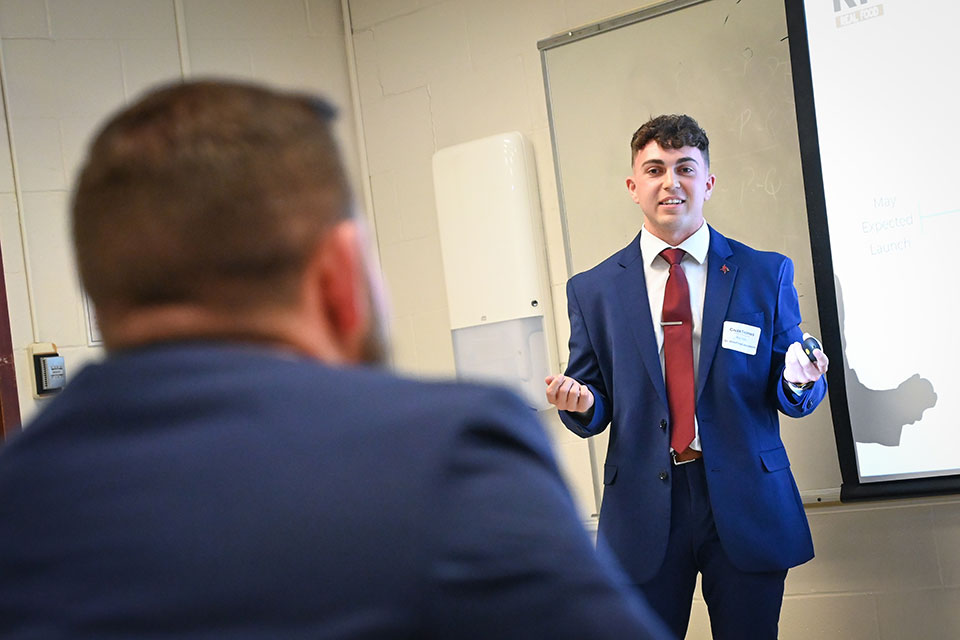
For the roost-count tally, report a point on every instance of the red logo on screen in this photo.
(851, 4)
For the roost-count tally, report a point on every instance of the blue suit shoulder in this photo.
(771, 267)
(610, 265)
(297, 393)
(744, 251)
(445, 402)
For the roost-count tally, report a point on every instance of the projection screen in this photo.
(877, 110)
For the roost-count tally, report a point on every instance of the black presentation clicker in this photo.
(809, 344)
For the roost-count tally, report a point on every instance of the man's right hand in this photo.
(567, 394)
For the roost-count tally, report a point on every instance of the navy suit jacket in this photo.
(613, 349)
(217, 491)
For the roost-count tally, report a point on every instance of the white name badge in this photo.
(740, 337)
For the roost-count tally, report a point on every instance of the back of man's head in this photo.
(207, 194)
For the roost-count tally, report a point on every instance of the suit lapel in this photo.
(721, 274)
(631, 287)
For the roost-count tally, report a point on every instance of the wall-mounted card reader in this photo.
(48, 371)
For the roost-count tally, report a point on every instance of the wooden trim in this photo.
(9, 399)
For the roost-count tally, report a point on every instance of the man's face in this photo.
(670, 185)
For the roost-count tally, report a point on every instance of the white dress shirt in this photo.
(656, 270)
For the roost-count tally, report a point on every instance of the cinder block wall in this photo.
(68, 63)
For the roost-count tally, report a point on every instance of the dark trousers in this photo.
(741, 604)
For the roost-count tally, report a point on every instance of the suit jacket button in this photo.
(663, 475)
(663, 424)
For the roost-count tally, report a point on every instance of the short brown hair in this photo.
(671, 132)
(211, 193)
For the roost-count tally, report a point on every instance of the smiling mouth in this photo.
(670, 201)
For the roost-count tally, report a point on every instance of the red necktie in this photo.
(677, 321)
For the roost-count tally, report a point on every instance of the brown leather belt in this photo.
(688, 455)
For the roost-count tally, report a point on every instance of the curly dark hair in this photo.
(671, 132)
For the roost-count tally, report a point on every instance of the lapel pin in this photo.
(725, 269)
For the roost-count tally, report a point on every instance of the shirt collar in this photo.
(696, 245)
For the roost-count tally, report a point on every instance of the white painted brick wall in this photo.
(68, 64)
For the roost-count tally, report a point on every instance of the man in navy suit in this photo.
(723, 502)
(229, 470)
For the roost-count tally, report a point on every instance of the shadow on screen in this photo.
(879, 415)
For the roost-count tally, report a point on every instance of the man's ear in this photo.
(339, 275)
(632, 188)
(711, 181)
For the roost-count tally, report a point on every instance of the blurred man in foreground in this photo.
(228, 471)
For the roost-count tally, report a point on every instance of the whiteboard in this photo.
(727, 64)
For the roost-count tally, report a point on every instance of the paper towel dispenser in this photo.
(494, 259)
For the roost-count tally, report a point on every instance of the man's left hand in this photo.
(799, 370)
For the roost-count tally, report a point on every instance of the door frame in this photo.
(9, 398)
